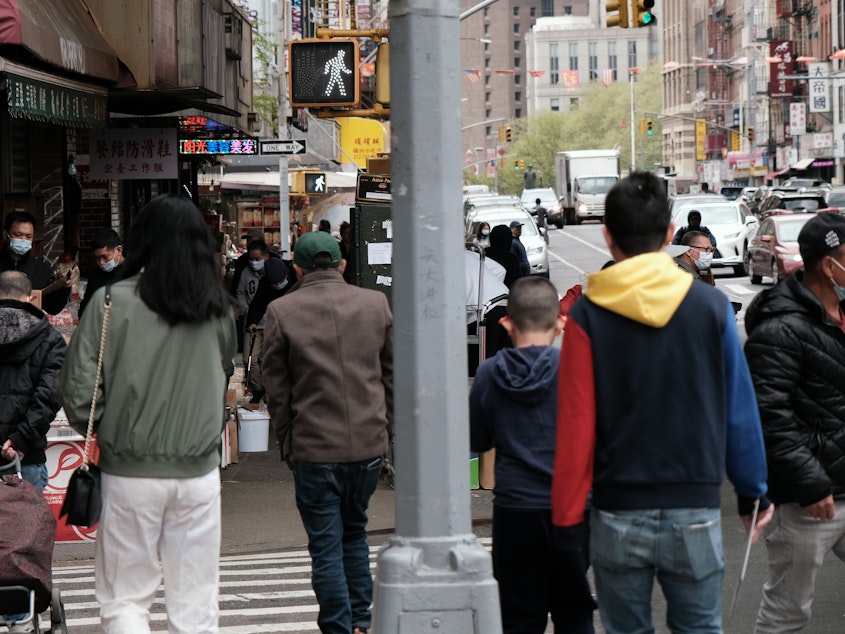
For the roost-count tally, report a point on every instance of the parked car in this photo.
(731, 191)
(773, 251)
(731, 223)
(549, 200)
(836, 198)
(491, 200)
(532, 239)
(791, 201)
(689, 199)
(797, 183)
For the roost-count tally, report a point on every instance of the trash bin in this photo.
(253, 430)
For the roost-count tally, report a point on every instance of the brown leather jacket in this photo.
(327, 370)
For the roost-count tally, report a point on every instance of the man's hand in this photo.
(821, 510)
(251, 328)
(8, 451)
(763, 518)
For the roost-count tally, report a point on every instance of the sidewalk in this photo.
(259, 509)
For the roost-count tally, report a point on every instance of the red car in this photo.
(773, 251)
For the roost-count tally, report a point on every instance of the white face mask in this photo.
(704, 260)
(19, 246)
(257, 265)
(109, 266)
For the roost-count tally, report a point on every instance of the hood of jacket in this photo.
(21, 328)
(789, 297)
(526, 374)
(646, 288)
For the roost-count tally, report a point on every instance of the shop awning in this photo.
(60, 33)
(802, 164)
(33, 94)
(269, 181)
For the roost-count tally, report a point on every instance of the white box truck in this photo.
(583, 179)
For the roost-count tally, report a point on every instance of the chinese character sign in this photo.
(818, 78)
(779, 86)
(218, 146)
(134, 153)
(797, 119)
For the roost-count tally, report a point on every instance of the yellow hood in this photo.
(646, 288)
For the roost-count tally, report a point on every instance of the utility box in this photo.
(372, 233)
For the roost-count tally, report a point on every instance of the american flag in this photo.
(473, 74)
(605, 76)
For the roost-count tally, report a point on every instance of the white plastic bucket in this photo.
(253, 430)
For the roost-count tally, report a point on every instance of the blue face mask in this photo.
(839, 290)
(20, 246)
(280, 285)
(109, 266)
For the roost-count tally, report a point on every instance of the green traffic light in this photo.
(647, 18)
(650, 132)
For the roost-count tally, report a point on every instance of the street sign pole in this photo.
(434, 575)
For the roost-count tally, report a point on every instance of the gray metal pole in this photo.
(433, 576)
(633, 114)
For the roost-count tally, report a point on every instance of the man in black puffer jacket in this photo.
(31, 356)
(796, 354)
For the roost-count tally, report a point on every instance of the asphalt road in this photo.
(579, 250)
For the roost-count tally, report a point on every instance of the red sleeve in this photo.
(576, 428)
(567, 300)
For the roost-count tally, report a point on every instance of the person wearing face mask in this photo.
(696, 260)
(796, 354)
(108, 254)
(482, 236)
(16, 255)
(277, 280)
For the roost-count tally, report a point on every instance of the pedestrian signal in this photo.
(315, 183)
(323, 73)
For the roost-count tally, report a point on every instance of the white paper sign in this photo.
(797, 119)
(379, 252)
(818, 79)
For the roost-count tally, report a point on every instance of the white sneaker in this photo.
(23, 626)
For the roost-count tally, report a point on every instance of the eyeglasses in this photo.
(705, 249)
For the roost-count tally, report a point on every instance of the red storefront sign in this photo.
(779, 86)
(63, 458)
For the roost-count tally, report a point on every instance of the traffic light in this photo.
(383, 74)
(501, 134)
(323, 73)
(649, 129)
(642, 127)
(516, 166)
(641, 13)
(751, 134)
(508, 134)
(521, 164)
(620, 19)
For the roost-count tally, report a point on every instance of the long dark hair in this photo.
(181, 278)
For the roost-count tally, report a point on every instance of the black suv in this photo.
(794, 202)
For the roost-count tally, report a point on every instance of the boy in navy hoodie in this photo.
(513, 405)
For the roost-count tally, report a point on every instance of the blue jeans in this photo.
(332, 499)
(681, 547)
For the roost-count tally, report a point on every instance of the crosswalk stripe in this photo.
(741, 290)
(276, 584)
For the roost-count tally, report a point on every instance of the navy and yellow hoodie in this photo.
(655, 400)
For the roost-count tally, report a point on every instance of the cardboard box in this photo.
(232, 426)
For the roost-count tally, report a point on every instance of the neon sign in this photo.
(218, 146)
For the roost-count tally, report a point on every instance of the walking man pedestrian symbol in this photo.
(334, 67)
(320, 183)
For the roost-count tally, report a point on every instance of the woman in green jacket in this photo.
(171, 333)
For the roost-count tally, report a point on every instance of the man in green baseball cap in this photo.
(328, 380)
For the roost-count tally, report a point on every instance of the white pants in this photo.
(154, 525)
(796, 545)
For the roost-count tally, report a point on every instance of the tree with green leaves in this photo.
(601, 120)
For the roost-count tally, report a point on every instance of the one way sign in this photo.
(280, 146)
